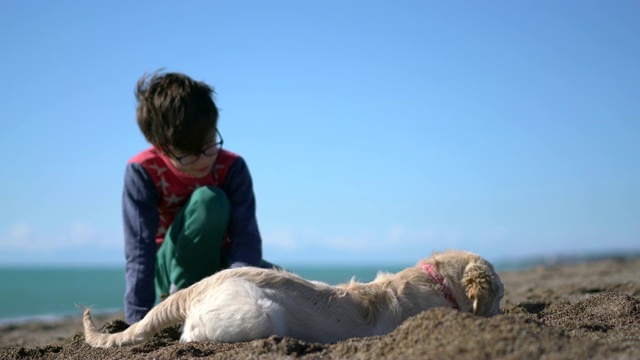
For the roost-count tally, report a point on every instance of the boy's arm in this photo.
(246, 244)
(141, 221)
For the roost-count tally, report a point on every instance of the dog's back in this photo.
(256, 303)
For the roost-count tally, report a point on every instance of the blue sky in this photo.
(375, 131)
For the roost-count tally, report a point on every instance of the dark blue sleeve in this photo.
(141, 221)
(246, 244)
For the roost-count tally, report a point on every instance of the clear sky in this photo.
(375, 131)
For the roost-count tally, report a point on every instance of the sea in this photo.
(52, 293)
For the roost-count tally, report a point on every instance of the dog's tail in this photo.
(169, 312)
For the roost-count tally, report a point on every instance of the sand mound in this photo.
(602, 324)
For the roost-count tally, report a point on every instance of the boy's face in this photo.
(205, 159)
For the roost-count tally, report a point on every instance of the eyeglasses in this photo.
(209, 151)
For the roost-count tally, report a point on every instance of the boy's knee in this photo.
(211, 198)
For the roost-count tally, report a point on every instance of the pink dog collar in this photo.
(444, 289)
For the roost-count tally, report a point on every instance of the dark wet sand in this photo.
(588, 310)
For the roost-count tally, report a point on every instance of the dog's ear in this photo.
(476, 280)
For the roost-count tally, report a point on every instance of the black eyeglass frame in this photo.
(196, 157)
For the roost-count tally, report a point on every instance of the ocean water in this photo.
(45, 293)
(49, 293)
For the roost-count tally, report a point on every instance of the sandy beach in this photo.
(588, 310)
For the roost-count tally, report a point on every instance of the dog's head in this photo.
(475, 277)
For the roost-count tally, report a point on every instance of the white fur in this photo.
(250, 303)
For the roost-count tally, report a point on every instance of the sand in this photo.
(588, 310)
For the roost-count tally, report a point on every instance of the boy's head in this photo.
(175, 112)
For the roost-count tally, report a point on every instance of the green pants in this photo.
(192, 247)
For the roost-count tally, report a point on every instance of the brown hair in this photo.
(174, 110)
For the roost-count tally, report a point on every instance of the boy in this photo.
(188, 205)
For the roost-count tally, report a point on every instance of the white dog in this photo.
(251, 303)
